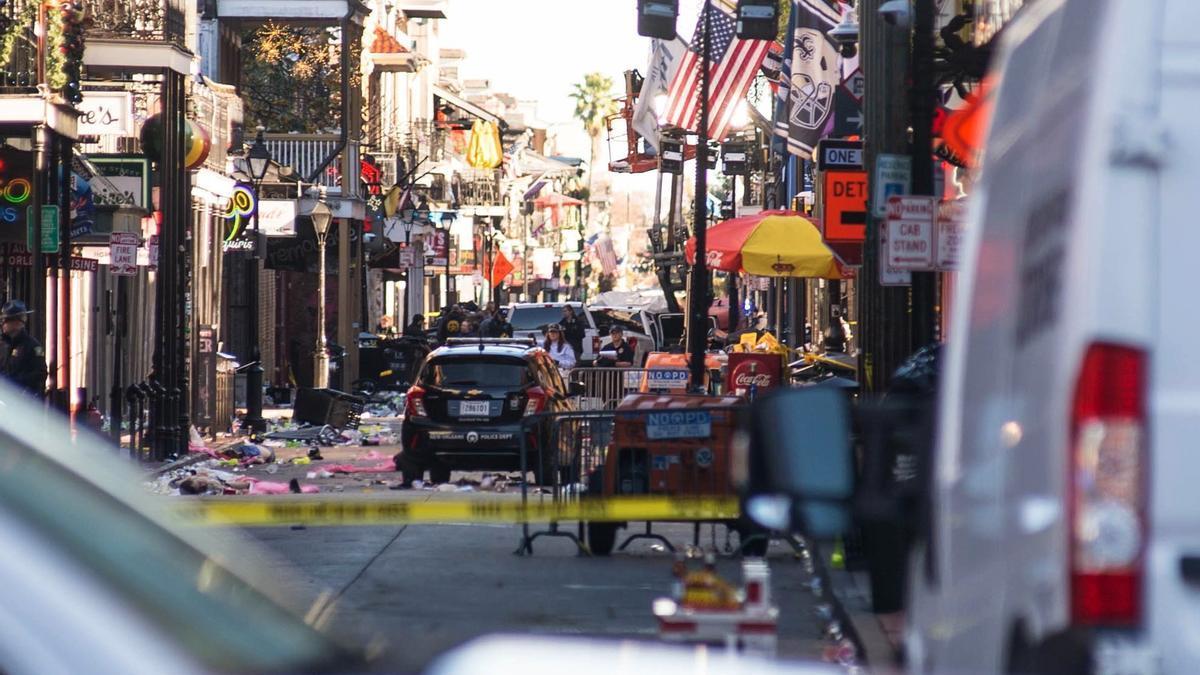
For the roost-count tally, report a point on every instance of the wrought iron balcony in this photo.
(19, 74)
(305, 153)
(142, 20)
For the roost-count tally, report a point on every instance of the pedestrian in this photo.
(617, 353)
(573, 329)
(490, 327)
(23, 361)
(450, 324)
(385, 328)
(556, 345)
(416, 327)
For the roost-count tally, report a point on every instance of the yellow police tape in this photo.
(282, 511)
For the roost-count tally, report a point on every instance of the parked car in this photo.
(530, 319)
(92, 562)
(466, 409)
(1061, 530)
(637, 323)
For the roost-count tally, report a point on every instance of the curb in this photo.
(850, 589)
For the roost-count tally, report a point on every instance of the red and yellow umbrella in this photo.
(769, 244)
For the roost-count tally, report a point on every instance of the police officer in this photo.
(22, 361)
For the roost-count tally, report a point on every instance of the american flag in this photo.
(732, 66)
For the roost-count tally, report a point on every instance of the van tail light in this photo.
(414, 403)
(1107, 491)
(596, 344)
(536, 401)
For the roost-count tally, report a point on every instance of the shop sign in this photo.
(951, 218)
(893, 176)
(910, 221)
(106, 113)
(123, 253)
(277, 217)
(16, 168)
(17, 255)
(845, 206)
(242, 206)
(125, 181)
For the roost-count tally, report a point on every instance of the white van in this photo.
(1063, 530)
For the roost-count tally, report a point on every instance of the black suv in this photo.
(465, 408)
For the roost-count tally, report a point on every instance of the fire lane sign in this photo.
(910, 221)
(122, 254)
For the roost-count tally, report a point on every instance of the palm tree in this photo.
(593, 103)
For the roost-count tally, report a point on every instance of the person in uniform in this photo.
(22, 361)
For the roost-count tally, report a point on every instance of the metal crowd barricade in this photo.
(605, 387)
(563, 450)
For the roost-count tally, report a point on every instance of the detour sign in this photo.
(845, 206)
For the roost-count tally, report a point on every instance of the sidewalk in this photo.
(879, 636)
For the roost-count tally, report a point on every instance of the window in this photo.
(630, 320)
(475, 372)
(536, 318)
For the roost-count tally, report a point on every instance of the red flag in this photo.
(501, 267)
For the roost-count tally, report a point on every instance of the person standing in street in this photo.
(618, 353)
(23, 361)
(573, 329)
(556, 345)
(416, 327)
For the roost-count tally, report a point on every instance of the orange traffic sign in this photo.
(844, 200)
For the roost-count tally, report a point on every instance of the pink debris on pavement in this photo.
(388, 465)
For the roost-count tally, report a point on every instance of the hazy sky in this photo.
(538, 49)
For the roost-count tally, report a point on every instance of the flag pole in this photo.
(698, 294)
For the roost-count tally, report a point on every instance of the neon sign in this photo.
(15, 187)
(242, 206)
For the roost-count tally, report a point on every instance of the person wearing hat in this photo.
(556, 345)
(617, 353)
(22, 361)
(416, 327)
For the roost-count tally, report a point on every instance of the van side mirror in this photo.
(795, 468)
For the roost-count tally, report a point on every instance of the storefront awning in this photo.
(467, 107)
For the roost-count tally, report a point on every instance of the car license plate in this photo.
(474, 408)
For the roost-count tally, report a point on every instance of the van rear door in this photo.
(1172, 591)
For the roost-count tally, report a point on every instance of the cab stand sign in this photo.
(910, 222)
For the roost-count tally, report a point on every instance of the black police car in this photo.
(465, 408)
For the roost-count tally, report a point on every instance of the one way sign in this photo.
(847, 114)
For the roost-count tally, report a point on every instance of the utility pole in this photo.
(883, 310)
(924, 89)
(698, 293)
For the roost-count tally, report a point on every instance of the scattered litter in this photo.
(301, 460)
(318, 474)
(446, 487)
(418, 484)
(388, 466)
(465, 488)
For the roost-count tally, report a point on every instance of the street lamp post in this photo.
(258, 159)
(321, 219)
(447, 219)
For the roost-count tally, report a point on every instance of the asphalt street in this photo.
(412, 592)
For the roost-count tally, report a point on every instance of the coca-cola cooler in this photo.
(748, 370)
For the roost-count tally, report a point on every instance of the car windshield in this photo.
(475, 372)
(607, 317)
(89, 509)
(533, 318)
